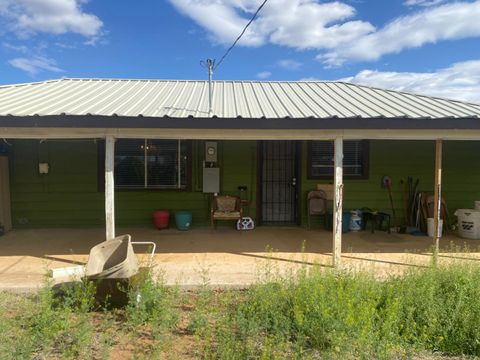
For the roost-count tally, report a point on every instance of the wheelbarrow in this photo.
(115, 259)
(111, 265)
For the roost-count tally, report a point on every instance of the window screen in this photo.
(355, 155)
(146, 164)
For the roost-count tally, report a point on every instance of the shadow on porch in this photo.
(224, 256)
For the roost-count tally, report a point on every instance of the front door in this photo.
(279, 182)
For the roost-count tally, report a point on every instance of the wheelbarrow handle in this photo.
(154, 246)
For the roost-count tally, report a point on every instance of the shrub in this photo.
(342, 314)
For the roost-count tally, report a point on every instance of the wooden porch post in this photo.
(438, 197)
(337, 202)
(109, 188)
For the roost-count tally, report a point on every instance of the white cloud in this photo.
(289, 64)
(459, 81)
(26, 17)
(332, 28)
(19, 48)
(423, 2)
(446, 22)
(35, 65)
(301, 24)
(264, 74)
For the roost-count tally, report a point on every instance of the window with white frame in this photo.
(355, 159)
(151, 164)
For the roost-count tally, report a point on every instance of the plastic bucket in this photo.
(161, 219)
(346, 216)
(183, 219)
(468, 223)
(431, 227)
(355, 221)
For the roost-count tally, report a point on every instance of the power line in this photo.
(241, 34)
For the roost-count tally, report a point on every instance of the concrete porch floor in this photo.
(222, 257)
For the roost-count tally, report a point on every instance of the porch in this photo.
(223, 257)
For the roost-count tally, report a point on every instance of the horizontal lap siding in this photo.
(400, 159)
(239, 168)
(69, 196)
(461, 174)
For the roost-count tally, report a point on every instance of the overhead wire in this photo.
(240, 36)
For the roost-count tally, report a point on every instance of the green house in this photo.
(94, 153)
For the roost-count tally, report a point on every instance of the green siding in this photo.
(239, 168)
(68, 195)
(400, 159)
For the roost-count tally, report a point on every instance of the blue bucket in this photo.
(346, 216)
(183, 220)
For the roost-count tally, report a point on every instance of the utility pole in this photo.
(210, 65)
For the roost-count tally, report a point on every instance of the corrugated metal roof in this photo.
(231, 99)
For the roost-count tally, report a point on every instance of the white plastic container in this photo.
(355, 220)
(477, 205)
(431, 227)
(468, 223)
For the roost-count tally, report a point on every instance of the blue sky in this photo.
(424, 46)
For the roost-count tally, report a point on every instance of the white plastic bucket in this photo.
(468, 223)
(477, 205)
(431, 227)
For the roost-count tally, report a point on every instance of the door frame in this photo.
(298, 188)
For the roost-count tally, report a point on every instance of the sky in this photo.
(429, 47)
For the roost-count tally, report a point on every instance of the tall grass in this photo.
(68, 323)
(308, 314)
(347, 315)
(47, 324)
(151, 310)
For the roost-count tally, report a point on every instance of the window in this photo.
(355, 159)
(151, 164)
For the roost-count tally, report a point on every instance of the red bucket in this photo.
(161, 219)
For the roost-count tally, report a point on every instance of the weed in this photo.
(151, 310)
(353, 315)
(307, 313)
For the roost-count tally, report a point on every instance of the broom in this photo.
(387, 184)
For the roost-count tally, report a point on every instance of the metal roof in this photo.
(231, 99)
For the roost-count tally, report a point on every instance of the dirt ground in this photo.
(222, 257)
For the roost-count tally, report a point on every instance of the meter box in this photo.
(211, 180)
(211, 152)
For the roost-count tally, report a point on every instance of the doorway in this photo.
(279, 182)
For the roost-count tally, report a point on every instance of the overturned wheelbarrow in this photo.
(111, 265)
(112, 259)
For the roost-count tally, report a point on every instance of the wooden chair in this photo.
(317, 205)
(225, 207)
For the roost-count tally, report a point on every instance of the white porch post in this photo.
(338, 202)
(109, 188)
(438, 196)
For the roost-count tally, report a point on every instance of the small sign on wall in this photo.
(43, 168)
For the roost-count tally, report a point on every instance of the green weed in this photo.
(332, 314)
(151, 310)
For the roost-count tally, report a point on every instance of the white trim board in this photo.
(238, 134)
